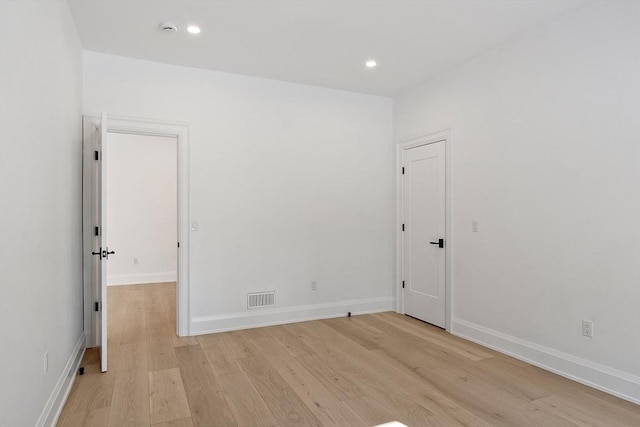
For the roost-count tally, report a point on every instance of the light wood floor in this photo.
(360, 371)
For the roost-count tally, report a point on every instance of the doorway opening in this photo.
(135, 179)
(142, 209)
(142, 218)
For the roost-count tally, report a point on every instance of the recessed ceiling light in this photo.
(193, 29)
(371, 63)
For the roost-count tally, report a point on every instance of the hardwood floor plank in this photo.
(134, 323)
(219, 353)
(289, 341)
(135, 297)
(154, 299)
(400, 394)
(588, 414)
(239, 344)
(95, 418)
(285, 405)
(320, 400)
(206, 401)
(167, 398)
(90, 391)
(158, 327)
(368, 339)
(565, 387)
(116, 298)
(130, 403)
(182, 341)
(338, 384)
(485, 400)
(446, 412)
(392, 337)
(183, 422)
(435, 335)
(371, 412)
(161, 355)
(245, 402)
(516, 379)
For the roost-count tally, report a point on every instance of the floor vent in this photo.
(261, 299)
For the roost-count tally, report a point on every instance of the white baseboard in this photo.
(139, 279)
(53, 408)
(601, 377)
(277, 316)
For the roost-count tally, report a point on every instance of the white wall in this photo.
(40, 208)
(142, 208)
(289, 184)
(546, 156)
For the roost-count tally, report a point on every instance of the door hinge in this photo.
(403, 170)
(402, 227)
(178, 244)
(403, 284)
(96, 155)
(96, 230)
(98, 306)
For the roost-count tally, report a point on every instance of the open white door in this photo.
(102, 191)
(100, 249)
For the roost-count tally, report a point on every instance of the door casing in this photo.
(429, 138)
(137, 126)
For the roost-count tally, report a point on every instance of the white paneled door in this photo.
(424, 240)
(100, 249)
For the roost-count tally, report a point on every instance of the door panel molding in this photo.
(417, 141)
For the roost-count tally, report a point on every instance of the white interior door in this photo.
(101, 248)
(424, 214)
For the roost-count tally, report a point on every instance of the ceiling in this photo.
(320, 43)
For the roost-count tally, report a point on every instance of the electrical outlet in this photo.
(314, 285)
(46, 362)
(135, 260)
(587, 328)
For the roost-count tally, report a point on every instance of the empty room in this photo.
(319, 213)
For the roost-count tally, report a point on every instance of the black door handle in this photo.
(99, 253)
(107, 252)
(440, 243)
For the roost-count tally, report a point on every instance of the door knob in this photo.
(99, 253)
(440, 243)
(107, 252)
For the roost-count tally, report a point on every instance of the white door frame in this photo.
(425, 139)
(136, 126)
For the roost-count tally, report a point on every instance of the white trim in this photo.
(596, 375)
(279, 316)
(429, 138)
(141, 278)
(51, 411)
(179, 130)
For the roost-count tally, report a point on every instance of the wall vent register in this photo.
(261, 299)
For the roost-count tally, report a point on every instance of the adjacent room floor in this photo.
(362, 371)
